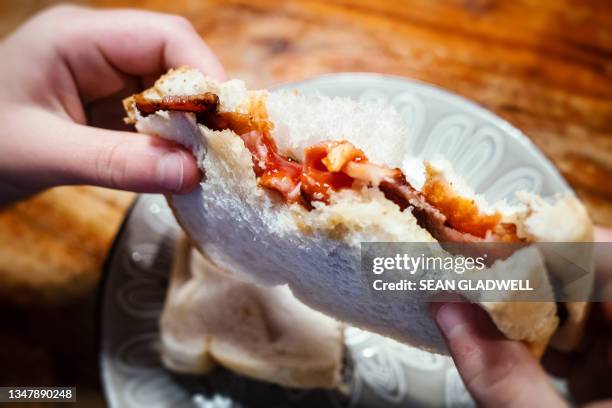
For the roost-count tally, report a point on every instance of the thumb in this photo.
(131, 161)
(70, 153)
(496, 371)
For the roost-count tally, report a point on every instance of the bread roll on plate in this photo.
(265, 333)
(293, 184)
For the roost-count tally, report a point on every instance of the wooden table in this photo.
(546, 66)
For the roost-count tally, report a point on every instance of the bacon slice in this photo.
(273, 170)
(199, 103)
(344, 157)
(442, 221)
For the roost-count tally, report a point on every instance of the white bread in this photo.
(264, 333)
(246, 231)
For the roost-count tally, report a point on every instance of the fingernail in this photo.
(170, 171)
(450, 318)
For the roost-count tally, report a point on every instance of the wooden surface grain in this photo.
(52, 246)
(545, 66)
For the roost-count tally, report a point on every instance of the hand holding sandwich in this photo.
(502, 373)
(64, 73)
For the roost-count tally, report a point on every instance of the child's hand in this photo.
(64, 72)
(502, 373)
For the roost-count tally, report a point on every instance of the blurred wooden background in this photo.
(545, 66)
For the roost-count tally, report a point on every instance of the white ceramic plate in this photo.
(494, 157)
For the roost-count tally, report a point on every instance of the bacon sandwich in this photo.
(292, 185)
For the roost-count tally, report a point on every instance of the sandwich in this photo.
(210, 318)
(293, 184)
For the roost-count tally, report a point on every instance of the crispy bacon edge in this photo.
(200, 103)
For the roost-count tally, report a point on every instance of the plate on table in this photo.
(491, 155)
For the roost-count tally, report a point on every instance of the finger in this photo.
(496, 371)
(176, 41)
(85, 155)
(101, 47)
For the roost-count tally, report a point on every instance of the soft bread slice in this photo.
(248, 231)
(264, 333)
(533, 323)
(564, 222)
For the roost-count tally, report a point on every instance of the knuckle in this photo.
(52, 21)
(491, 377)
(111, 166)
(180, 22)
(497, 382)
(61, 10)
